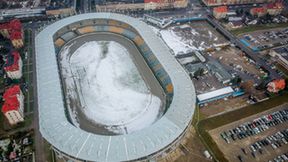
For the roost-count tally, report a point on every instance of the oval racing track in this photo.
(80, 144)
(147, 75)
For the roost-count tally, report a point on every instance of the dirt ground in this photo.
(233, 149)
(222, 106)
(199, 34)
(190, 149)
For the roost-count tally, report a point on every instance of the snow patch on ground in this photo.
(111, 90)
(176, 43)
(184, 39)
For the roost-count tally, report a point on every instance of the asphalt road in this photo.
(39, 141)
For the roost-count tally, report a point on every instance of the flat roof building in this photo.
(281, 55)
(220, 73)
(215, 95)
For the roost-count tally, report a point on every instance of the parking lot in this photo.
(260, 137)
(265, 39)
(238, 64)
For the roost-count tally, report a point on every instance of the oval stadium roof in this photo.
(80, 144)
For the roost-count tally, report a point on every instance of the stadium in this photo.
(64, 88)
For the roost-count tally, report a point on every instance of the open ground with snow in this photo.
(182, 39)
(112, 93)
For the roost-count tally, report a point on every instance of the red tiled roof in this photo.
(221, 9)
(258, 10)
(11, 104)
(277, 5)
(15, 35)
(12, 91)
(4, 26)
(280, 83)
(15, 25)
(276, 85)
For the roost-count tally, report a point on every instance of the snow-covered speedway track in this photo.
(116, 94)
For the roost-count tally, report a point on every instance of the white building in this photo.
(281, 55)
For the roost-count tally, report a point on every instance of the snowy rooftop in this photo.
(73, 141)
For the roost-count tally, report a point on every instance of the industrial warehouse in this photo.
(57, 123)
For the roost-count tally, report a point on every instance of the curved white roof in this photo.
(78, 143)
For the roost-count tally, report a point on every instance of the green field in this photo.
(257, 27)
(211, 123)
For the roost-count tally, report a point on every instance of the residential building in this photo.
(16, 33)
(275, 8)
(276, 85)
(16, 38)
(235, 24)
(4, 30)
(13, 107)
(258, 11)
(13, 65)
(220, 12)
(13, 31)
(234, 2)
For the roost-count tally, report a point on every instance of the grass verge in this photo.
(257, 27)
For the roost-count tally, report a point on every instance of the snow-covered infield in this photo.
(68, 139)
(113, 92)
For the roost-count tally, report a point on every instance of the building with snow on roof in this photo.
(13, 65)
(13, 107)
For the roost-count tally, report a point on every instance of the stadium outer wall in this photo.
(164, 133)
